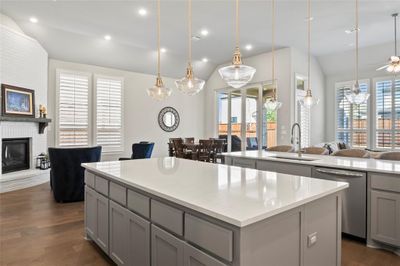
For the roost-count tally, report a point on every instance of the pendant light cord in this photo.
(357, 30)
(158, 39)
(190, 30)
(395, 34)
(309, 43)
(273, 47)
(237, 24)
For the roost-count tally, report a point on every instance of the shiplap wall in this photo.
(24, 64)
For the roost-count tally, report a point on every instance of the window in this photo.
(109, 114)
(76, 107)
(351, 119)
(387, 113)
(73, 110)
(269, 119)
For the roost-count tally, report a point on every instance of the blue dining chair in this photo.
(141, 150)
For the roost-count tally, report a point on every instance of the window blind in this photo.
(351, 120)
(109, 114)
(73, 114)
(387, 115)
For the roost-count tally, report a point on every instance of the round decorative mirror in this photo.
(168, 119)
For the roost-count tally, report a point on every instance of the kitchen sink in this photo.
(295, 158)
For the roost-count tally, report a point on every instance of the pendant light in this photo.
(394, 60)
(272, 104)
(159, 92)
(237, 75)
(309, 101)
(189, 84)
(355, 95)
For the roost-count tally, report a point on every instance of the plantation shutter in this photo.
(343, 120)
(305, 124)
(387, 95)
(109, 114)
(73, 114)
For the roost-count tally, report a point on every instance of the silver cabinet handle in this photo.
(339, 172)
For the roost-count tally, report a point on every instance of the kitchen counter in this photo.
(234, 195)
(169, 211)
(361, 164)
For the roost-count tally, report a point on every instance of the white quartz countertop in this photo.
(232, 194)
(361, 164)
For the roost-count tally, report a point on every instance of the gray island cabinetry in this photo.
(173, 212)
(371, 205)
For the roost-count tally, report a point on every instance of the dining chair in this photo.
(315, 150)
(180, 151)
(219, 147)
(171, 149)
(189, 140)
(391, 155)
(356, 153)
(281, 148)
(205, 150)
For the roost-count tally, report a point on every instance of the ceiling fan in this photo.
(394, 61)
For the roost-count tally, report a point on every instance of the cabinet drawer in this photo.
(139, 203)
(89, 179)
(118, 193)
(212, 237)
(246, 163)
(101, 185)
(385, 182)
(167, 217)
(284, 168)
(194, 257)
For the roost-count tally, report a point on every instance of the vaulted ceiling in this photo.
(74, 30)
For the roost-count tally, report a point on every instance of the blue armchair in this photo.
(67, 174)
(141, 150)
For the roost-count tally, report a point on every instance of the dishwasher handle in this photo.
(343, 173)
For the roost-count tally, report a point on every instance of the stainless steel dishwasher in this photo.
(354, 199)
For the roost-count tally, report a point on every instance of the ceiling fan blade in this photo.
(383, 67)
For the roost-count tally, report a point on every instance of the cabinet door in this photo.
(102, 222)
(90, 212)
(118, 235)
(284, 168)
(166, 250)
(194, 257)
(138, 240)
(385, 217)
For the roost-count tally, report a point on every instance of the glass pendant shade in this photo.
(356, 96)
(272, 105)
(309, 101)
(237, 76)
(158, 91)
(190, 85)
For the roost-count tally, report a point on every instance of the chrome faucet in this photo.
(298, 140)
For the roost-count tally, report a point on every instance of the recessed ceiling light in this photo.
(309, 19)
(107, 37)
(163, 50)
(350, 31)
(33, 20)
(142, 12)
(248, 47)
(204, 32)
(205, 60)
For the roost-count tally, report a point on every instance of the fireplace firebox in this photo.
(15, 155)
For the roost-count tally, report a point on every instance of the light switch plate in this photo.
(312, 239)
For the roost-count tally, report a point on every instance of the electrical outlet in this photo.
(312, 239)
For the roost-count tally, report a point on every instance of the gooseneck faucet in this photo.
(298, 140)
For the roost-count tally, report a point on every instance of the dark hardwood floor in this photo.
(35, 230)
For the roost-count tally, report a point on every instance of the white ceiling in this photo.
(73, 30)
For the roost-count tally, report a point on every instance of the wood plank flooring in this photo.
(35, 230)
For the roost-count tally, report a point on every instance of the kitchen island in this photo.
(168, 211)
(371, 205)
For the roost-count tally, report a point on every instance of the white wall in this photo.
(299, 64)
(288, 61)
(340, 67)
(140, 111)
(23, 63)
